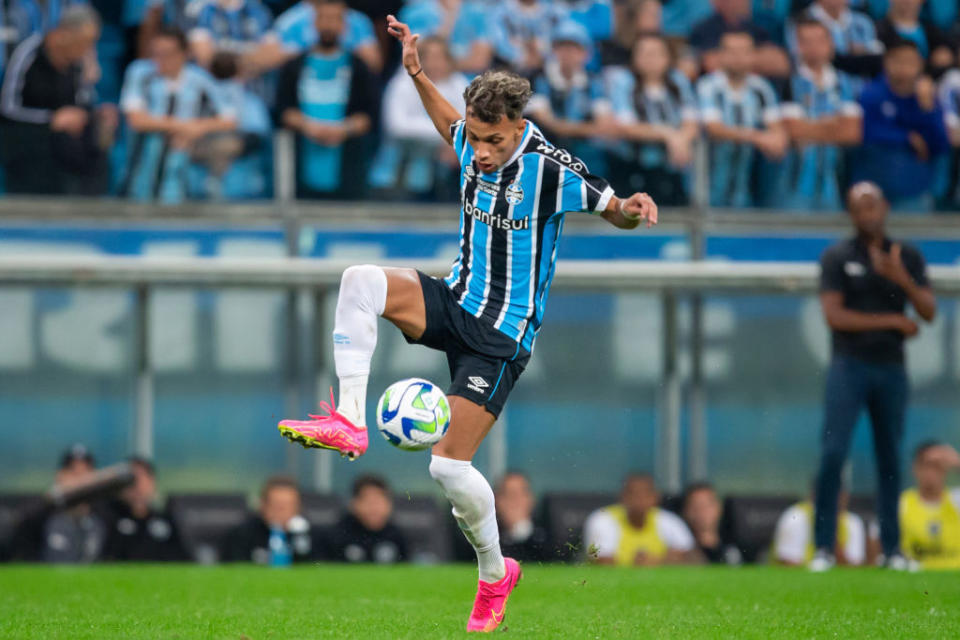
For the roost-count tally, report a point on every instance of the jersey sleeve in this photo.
(457, 134)
(294, 30)
(674, 532)
(707, 100)
(916, 265)
(601, 534)
(132, 96)
(582, 191)
(791, 536)
(831, 271)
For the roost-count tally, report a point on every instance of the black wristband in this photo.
(414, 75)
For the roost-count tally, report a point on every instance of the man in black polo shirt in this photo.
(865, 285)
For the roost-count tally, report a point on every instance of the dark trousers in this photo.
(853, 384)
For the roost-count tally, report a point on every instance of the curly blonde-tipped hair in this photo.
(493, 94)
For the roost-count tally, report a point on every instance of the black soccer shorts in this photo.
(484, 363)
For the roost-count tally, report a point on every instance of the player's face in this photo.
(493, 144)
(329, 23)
(514, 500)
(702, 510)
(372, 507)
(168, 56)
(639, 496)
(570, 55)
(903, 67)
(814, 45)
(736, 54)
(868, 212)
(280, 504)
(651, 59)
(931, 477)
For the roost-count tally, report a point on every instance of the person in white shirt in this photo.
(636, 532)
(793, 540)
(411, 156)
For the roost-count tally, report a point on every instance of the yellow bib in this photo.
(930, 533)
(633, 540)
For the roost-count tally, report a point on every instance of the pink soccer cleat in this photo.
(490, 607)
(332, 431)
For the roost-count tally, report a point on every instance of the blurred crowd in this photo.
(639, 528)
(168, 100)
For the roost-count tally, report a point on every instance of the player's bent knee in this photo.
(366, 286)
(445, 469)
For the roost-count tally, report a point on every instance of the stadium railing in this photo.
(316, 279)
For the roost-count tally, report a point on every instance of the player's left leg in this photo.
(474, 509)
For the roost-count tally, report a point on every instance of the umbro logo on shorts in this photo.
(478, 384)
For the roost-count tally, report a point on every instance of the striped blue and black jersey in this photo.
(510, 221)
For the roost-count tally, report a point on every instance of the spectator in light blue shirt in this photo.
(821, 116)
(856, 47)
(521, 32)
(235, 26)
(463, 25)
(568, 99)
(656, 122)
(948, 173)
(903, 130)
(294, 33)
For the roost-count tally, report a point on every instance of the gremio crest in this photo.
(514, 193)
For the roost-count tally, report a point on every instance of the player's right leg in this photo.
(366, 293)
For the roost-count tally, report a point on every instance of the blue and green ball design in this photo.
(413, 414)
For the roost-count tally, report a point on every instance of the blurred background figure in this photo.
(568, 100)
(328, 96)
(412, 158)
(233, 26)
(366, 532)
(822, 118)
(793, 539)
(742, 122)
(170, 105)
(636, 532)
(520, 537)
(461, 24)
(903, 131)
(737, 16)
(656, 124)
(277, 534)
(903, 22)
(297, 31)
(637, 18)
(854, 36)
(521, 32)
(74, 535)
(865, 285)
(138, 530)
(947, 188)
(50, 117)
(930, 511)
(702, 513)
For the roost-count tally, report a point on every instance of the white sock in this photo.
(362, 298)
(473, 507)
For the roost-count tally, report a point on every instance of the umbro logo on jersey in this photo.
(478, 384)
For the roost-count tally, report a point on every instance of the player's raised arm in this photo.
(441, 112)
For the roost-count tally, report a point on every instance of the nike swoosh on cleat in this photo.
(498, 617)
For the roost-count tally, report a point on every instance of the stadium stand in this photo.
(425, 526)
(321, 509)
(749, 521)
(12, 506)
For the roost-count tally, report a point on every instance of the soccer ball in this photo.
(413, 414)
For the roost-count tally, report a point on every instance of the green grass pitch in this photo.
(335, 601)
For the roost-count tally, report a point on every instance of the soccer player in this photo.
(930, 512)
(515, 187)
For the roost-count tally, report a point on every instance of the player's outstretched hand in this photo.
(400, 31)
(640, 206)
